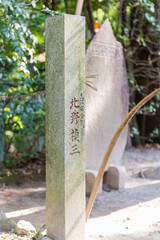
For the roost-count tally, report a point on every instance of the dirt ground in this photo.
(129, 214)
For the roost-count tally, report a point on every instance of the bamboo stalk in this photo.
(111, 147)
(79, 7)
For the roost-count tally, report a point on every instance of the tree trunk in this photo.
(119, 16)
(157, 10)
(54, 4)
(145, 72)
(1, 146)
(2, 136)
(66, 5)
(91, 19)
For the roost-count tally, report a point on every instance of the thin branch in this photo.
(66, 5)
(112, 144)
(8, 83)
(22, 96)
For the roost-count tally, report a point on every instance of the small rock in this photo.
(148, 172)
(151, 172)
(2, 215)
(41, 232)
(24, 227)
(7, 224)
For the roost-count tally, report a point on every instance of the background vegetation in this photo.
(136, 24)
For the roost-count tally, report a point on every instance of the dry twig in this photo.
(112, 144)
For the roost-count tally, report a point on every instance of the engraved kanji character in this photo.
(74, 117)
(74, 103)
(74, 149)
(75, 135)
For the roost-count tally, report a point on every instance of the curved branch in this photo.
(111, 147)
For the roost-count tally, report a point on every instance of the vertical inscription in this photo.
(76, 123)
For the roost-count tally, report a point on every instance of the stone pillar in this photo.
(108, 105)
(65, 170)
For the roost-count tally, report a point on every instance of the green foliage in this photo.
(134, 131)
(136, 26)
(21, 38)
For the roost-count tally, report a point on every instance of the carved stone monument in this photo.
(65, 171)
(106, 106)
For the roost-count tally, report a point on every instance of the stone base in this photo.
(115, 177)
(90, 179)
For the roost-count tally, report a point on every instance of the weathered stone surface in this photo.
(7, 224)
(115, 177)
(65, 176)
(24, 227)
(90, 179)
(150, 172)
(106, 107)
(2, 215)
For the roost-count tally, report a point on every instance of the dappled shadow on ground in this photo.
(25, 203)
(110, 202)
(129, 214)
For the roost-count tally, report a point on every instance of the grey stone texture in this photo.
(65, 170)
(7, 224)
(150, 172)
(90, 179)
(2, 215)
(108, 105)
(115, 177)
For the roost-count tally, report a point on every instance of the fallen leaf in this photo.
(8, 194)
(8, 174)
(106, 189)
(128, 219)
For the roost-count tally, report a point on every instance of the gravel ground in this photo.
(132, 213)
(12, 236)
(129, 214)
